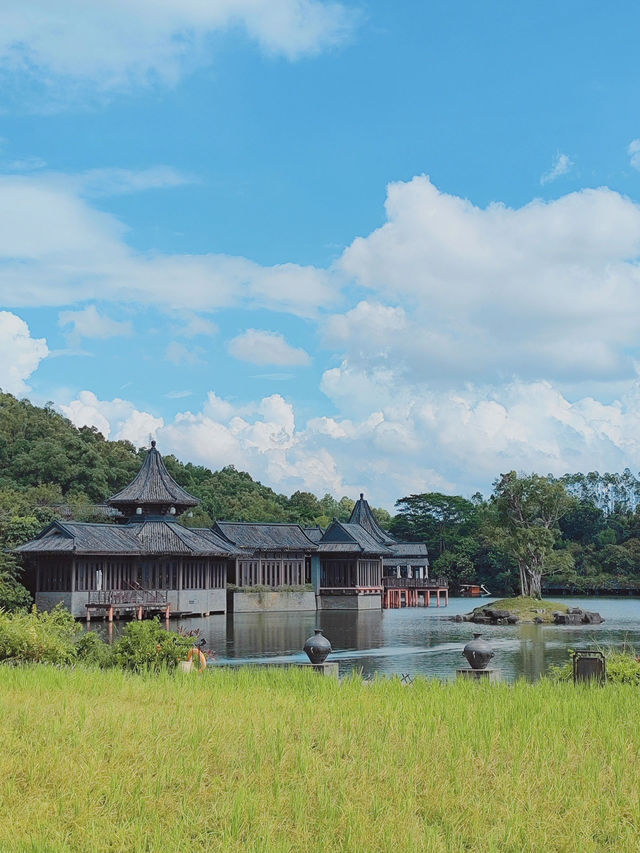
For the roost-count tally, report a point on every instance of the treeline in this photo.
(580, 531)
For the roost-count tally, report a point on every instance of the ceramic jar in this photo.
(317, 647)
(478, 652)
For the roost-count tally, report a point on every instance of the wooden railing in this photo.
(415, 583)
(115, 597)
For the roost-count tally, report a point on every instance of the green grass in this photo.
(526, 609)
(284, 760)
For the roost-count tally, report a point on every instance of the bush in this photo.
(145, 645)
(38, 637)
(623, 667)
(93, 651)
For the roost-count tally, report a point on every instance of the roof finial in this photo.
(361, 495)
(153, 442)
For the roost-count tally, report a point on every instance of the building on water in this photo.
(148, 561)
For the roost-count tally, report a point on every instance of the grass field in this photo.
(276, 760)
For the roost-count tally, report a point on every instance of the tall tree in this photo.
(528, 509)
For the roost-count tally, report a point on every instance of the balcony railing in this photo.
(128, 597)
(415, 583)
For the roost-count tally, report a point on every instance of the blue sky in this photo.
(343, 246)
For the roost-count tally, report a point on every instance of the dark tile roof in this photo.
(354, 535)
(361, 514)
(265, 537)
(152, 486)
(407, 554)
(314, 533)
(145, 537)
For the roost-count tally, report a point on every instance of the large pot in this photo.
(478, 652)
(317, 647)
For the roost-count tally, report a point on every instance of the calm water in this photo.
(416, 641)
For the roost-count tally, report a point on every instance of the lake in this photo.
(416, 641)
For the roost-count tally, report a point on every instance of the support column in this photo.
(110, 613)
(316, 572)
(140, 613)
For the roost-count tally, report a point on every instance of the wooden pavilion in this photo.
(145, 560)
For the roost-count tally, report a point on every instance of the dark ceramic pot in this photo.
(478, 652)
(317, 647)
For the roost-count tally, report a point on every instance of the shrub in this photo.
(93, 651)
(623, 667)
(145, 645)
(38, 637)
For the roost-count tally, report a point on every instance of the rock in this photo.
(538, 620)
(497, 614)
(592, 618)
(512, 620)
(458, 618)
(575, 610)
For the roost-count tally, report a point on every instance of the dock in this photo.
(399, 592)
(131, 602)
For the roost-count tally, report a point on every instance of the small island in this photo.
(514, 611)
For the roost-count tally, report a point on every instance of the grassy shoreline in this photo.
(272, 760)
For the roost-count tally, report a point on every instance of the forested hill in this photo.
(49, 468)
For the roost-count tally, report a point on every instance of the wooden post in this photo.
(88, 615)
(110, 613)
(167, 612)
(140, 613)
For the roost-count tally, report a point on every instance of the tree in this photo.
(434, 518)
(528, 510)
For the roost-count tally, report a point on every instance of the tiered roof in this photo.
(153, 490)
(148, 537)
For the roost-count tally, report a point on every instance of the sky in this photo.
(344, 246)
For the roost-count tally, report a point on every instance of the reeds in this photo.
(284, 760)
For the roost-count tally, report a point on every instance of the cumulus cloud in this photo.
(395, 439)
(560, 166)
(468, 436)
(20, 354)
(89, 323)
(57, 249)
(129, 42)
(462, 293)
(634, 153)
(259, 347)
(116, 419)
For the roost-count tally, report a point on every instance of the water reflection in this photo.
(416, 641)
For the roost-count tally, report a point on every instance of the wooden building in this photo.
(273, 555)
(145, 559)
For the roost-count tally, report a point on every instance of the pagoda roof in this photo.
(348, 537)
(361, 514)
(153, 486)
(137, 538)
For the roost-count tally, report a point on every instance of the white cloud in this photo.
(178, 353)
(399, 439)
(122, 42)
(261, 347)
(460, 293)
(634, 153)
(560, 166)
(194, 326)
(116, 419)
(56, 249)
(89, 323)
(20, 354)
